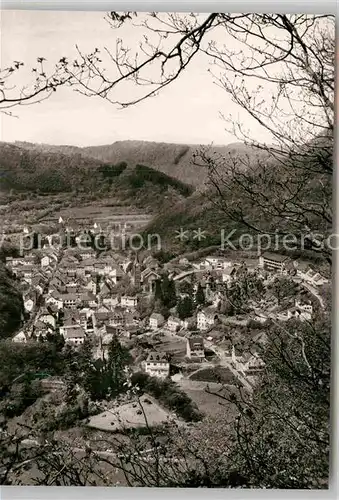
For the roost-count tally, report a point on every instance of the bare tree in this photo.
(41, 87)
(279, 69)
(285, 186)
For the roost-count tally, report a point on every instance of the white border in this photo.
(288, 6)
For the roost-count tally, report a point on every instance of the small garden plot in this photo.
(131, 416)
(175, 346)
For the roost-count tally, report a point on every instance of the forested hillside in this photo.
(41, 170)
(11, 304)
(175, 160)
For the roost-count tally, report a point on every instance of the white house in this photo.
(28, 304)
(87, 253)
(157, 365)
(148, 278)
(156, 320)
(69, 300)
(20, 337)
(306, 273)
(188, 323)
(206, 319)
(15, 261)
(46, 261)
(215, 262)
(53, 299)
(27, 273)
(47, 318)
(127, 301)
(91, 286)
(248, 363)
(39, 287)
(319, 280)
(216, 298)
(195, 348)
(227, 275)
(29, 301)
(304, 306)
(302, 311)
(110, 301)
(103, 309)
(173, 324)
(300, 314)
(74, 335)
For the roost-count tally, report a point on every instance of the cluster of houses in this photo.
(75, 292)
(204, 320)
(282, 264)
(157, 364)
(80, 293)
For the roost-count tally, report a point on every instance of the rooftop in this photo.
(76, 332)
(196, 342)
(275, 257)
(154, 356)
(157, 316)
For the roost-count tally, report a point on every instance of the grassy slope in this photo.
(173, 159)
(191, 214)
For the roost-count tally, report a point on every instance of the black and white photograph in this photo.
(166, 249)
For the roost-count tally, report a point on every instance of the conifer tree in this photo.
(199, 295)
(168, 292)
(185, 307)
(118, 359)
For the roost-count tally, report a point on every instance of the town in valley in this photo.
(166, 250)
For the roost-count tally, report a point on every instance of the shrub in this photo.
(168, 394)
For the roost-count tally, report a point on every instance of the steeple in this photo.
(136, 271)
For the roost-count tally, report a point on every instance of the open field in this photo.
(99, 213)
(173, 345)
(130, 415)
(209, 404)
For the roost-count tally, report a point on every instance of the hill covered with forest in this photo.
(175, 160)
(49, 171)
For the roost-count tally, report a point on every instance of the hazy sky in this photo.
(185, 112)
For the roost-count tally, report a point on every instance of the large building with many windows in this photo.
(274, 262)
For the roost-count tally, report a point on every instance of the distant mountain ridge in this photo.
(42, 169)
(175, 160)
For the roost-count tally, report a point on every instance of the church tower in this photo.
(136, 271)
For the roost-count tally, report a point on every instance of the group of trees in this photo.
(165, 292)
(167, 296)
(102, 378)
(247, 286)
(11, 303)
(168, 394)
